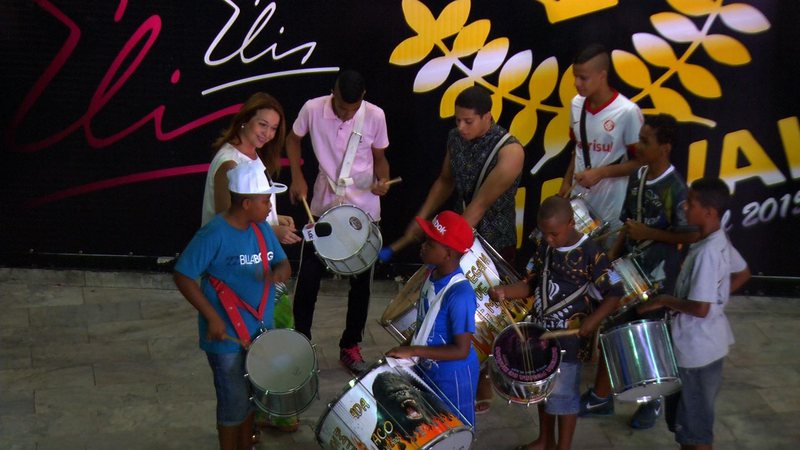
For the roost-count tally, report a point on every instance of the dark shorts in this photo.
(233, 389)
(690, 412)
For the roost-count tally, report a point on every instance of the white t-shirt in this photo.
(610, 129)
(705, 277)
(228, 153)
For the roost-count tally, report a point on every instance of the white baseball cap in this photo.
(249, 178)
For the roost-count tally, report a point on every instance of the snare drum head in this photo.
(350, 227)
(280, 360)
(529, 360)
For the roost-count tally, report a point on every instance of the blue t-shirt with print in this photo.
(232, 256)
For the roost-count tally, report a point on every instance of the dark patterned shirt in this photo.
(467, 158)
(662, 208)
(570, 269)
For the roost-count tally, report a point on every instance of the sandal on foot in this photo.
(480, 408)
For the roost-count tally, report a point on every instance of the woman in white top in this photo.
(256, 133)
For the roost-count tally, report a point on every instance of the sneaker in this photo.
(352, 360)
(592, 405)
(646, 415)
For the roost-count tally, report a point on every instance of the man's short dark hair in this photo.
(555, 207)
(237, 199)
(591, 51)
(665, 127)
(476, 98)
(712, 193)
(351, 85)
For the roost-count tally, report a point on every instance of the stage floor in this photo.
(109, 360)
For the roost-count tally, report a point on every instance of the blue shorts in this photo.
(233, 389)
(566, 396)
(690, 412)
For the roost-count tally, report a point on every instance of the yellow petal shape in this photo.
(675, 27)
(630, 69)
(490, 57)
(471, 38)
(726, 50)
(699, 81)
(418, 17)
(744, 18)
(666, 100)
(497, 105)
(566, 90)
(515, 71)
(452, 18)
(654, 49)
(433, 74)
(447, 106)
(693, 7)
(523, 126)
(411, 51)
(543, 80)
(556, 137)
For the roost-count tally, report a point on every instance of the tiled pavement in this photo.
(108, 360)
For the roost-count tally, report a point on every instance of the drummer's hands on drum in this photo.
(298, 190)
(637, 230)
(380, 187)
(497, 293)
(654, 304)
(404, 351)
(589, 177)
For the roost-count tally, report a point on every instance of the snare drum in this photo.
(391, 408)
(637, 286)
(400, 316)
(640, 361)
(524, 372)
(282, 367)
(354, 242)
(585, 220)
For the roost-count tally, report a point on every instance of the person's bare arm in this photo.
(455, 351)
(566, 182)
(691, 307)
(298, 188)
(510, 159)
(192, 293)
(380, 167)
(440, 191)
(739, 278)
(590, 177)
(222, 195)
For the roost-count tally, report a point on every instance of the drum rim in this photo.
(300, 410)
(626, 324)
(380, 244)
(652, 382)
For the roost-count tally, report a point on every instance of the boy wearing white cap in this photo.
(446, 314)
(235, 297)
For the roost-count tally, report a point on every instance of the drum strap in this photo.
(427, 318)
(639, 197)
(482, 175)
(587, 161)
(231, 302)
(344, 180)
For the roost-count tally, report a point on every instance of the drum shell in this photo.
(518, 391)
(354, 243)
(640, 360)
(350, 421)
(296, 393)
(635, 283)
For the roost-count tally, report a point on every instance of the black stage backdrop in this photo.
(110, 107)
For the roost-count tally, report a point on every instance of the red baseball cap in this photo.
(449, 229)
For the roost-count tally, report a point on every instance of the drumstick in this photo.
(394, 180)
(308, 210)
(231, 338)
(507, 313)
(559, 333)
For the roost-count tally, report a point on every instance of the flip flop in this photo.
(483, 410)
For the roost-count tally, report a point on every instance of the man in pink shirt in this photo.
(329, 121)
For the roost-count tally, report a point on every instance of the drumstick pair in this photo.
(311, 216)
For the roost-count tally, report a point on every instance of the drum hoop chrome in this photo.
(380, 244)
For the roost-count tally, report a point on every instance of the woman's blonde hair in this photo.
(271, 152)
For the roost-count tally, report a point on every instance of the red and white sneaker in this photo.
(352, 360)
